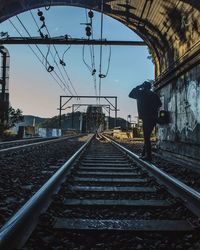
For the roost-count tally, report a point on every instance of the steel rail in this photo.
(5, 150)
(188, 195)
(16, 231)
(26, 140)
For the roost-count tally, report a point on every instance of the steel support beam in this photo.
(62, 106)
(69, 41)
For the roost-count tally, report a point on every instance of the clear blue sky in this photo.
(33, 90)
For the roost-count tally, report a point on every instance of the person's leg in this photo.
(147, 129)
(143, 153)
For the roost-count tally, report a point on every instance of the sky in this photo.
(35, 92)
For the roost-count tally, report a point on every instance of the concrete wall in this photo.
(49, 132)
(182, 99)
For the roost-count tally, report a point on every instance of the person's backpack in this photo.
(163, 117)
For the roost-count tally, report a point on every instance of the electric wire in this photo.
(66, 84)
(91, 46)
(109, 60)
(57, 54)
(49, 51)
(92, 69)
(83, 58)
(44, 57)
(92, 57)
(57, 65)
(28, 34)
(63, 56)
(36, 55)
(101, 50)
(65, 69)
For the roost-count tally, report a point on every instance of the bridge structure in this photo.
(171, 30)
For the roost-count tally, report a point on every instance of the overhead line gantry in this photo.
(67, 41)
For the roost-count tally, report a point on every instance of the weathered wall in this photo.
(182, 99)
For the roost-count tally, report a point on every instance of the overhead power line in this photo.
(61, 61)
(90, 14)
(101, 75)
(45, 62)
(89, 33)
(39, 59)
(62, 64)
(101, 49)
(49, 50)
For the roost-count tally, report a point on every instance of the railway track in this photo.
(14, 143)
(7, 147)
(180, 169)
(105, 190)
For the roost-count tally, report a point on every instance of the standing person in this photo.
(148, 104)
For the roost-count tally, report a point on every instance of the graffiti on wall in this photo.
(193, 98)
(184, 107)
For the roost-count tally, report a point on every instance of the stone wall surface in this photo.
(182, 99)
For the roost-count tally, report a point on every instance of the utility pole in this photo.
(4, 77)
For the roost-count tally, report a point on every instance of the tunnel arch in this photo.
(169, 28)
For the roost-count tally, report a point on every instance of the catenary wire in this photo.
(37, 55)
(57, 65)
(45, 58)
(101, 49)
(92, 69)
(57, 54)
(49, 51)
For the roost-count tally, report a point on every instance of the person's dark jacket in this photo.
(148, 103)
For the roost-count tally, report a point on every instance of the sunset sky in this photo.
(32, 88)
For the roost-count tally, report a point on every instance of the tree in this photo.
(14, 116)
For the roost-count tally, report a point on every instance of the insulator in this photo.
(91, 14)
(88, 28)
(40, 13)
(50, 68)
(102, 76)
(62, 63)
(88, 31)
(42, 18)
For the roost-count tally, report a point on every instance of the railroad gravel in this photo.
(48, 238)
(111, 241)
(190, 176)
(24, 172)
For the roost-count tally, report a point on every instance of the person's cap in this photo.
(147, 85)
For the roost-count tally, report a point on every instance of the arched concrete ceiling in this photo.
(170, 28)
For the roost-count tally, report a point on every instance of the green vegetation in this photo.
(151, 55)
(14, 116)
